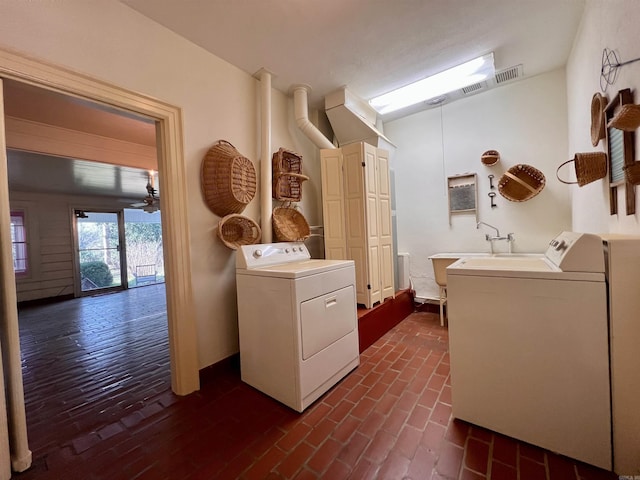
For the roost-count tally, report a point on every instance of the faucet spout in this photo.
(490, 226)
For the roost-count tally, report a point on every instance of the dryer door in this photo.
(326, 319)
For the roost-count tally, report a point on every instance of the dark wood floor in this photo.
(99, 406)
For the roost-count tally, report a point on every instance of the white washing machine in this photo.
(529, 346)
(298, 323)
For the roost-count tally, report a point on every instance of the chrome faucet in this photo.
(509, 238)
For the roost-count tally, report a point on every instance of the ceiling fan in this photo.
(150, 203)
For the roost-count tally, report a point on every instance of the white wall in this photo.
(612, 24)
(526, 122)
(112, 42)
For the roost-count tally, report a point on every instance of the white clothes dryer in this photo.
(297, 319)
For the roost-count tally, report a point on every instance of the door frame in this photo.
(175, 224)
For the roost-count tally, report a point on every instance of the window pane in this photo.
(19, 242)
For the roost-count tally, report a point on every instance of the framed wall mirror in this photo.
(621, 151)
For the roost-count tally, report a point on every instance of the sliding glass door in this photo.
(101, 259)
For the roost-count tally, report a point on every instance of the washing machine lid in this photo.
(296, 270)
(518, 266)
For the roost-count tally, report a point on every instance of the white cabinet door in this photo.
(335, 239)
(356, 200)
(385, 235)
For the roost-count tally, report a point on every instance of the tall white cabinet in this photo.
(356, 199)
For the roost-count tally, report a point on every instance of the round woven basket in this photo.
(627, 118)
(228, 179)
(598, 104)
(289, 225)
(521, 182)
(590, 166)
(235, 230)
(490, 158)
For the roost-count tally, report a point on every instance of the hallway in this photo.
(99, 406)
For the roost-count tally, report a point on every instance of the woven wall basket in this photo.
(228, 179)
(590, 166)
(598, 104)
(632, 173)
(289, 225)
(286, 167)
(627, 118)
(521, 182)
(235, 230)
(490, 158)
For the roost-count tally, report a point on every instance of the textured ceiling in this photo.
(371, 46)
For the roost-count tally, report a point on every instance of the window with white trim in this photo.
(19, 242)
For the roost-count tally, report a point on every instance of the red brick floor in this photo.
(99, 407)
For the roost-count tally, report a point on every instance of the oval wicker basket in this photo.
(228, 179)
(235, 230)
(490, 158)
(289, 225)
(627, 118)
(598, 104)
(590, 166)
(521, 182)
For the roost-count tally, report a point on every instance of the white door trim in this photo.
(175, 224)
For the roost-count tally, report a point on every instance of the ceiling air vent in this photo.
(473, 88)
(508, 74)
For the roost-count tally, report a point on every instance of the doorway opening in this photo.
(180, 310)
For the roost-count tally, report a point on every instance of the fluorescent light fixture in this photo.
(455, 78)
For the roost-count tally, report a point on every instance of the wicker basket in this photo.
(589, 166)
(235, 230)
(490, 158)
(632, 173)
(521, 182)
(598, 104)
(627, 118)
(228, 179)
(287, 176)
(289, 225)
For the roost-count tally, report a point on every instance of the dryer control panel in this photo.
(267, 254)
(577, 252)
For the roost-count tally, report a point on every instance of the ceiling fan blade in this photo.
(139, 204)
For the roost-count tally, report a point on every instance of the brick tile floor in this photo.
(99, 406)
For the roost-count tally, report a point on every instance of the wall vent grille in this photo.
(508, 74)
(473, 88)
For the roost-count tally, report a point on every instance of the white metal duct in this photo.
(353, 119)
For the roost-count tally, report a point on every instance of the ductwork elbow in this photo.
(301, 112)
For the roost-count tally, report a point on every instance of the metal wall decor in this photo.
(463, 194)
(610, 66)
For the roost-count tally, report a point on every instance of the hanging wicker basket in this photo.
(590, 166)
(632, 173)
(235, 230)
(627, 118)
(228, 179)
(287, 176)
(289, 225)
(598, 104)
(521, 182)
(490, 158)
